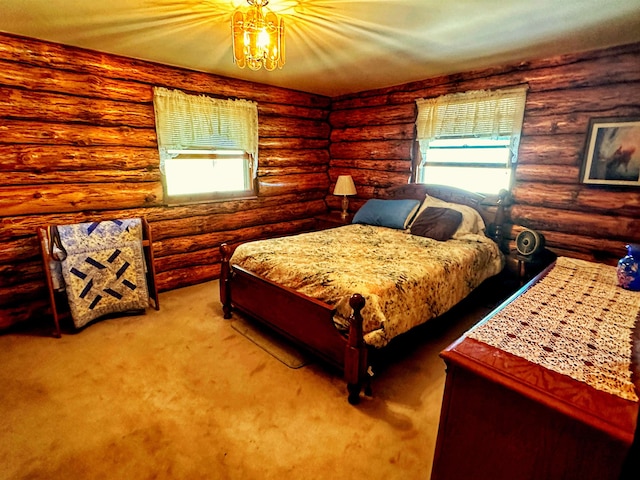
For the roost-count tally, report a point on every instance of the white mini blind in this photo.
(196, 121)
(479, 113)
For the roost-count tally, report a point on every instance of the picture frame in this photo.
(612, 152)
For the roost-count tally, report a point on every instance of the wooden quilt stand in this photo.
(57, 298)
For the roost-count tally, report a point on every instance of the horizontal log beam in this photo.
(376, 149)
(379, 115)
(282, 158)
(45, 79)
(281, 110)
(199, 258)
(579, 70)
(589, 99)
(374, 178)
(552, 123)
(211, 254)
(291, 143)
(184, 227)
(38, 199)
(19, 271)
(11, 227)
(13, 295)
(185, 277)
(19, 250)
(38, 79)
(402, 131)
(578, 197)
(541, 173)
(54, 107)
(62, 57)
(401, 165)
(83, 176)
(578, 223)
(552, 149)
(18, 131)
(27, 311)
(294, 170)
(196, 243)
(287, 184)
(282, 127)
(49, 158)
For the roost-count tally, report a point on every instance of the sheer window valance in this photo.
(191, 121)
(480, 114)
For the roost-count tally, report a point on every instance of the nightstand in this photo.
(332, 220)
(530, 266)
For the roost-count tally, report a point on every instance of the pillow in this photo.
(387, 213)
(472, 222)
(437, 222)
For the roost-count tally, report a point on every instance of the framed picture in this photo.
(612, 152)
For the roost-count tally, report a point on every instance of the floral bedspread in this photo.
(405, 279)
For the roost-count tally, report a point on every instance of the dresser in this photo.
(505, 415)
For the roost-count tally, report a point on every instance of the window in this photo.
(208, 147)
(470, 140)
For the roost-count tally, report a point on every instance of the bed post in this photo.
(225, 277)
(355, 358)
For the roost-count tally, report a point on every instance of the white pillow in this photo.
(471, 222)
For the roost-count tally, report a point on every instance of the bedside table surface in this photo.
(333, 219)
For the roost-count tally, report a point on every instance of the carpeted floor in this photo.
(180, 394)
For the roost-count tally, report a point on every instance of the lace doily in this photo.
(576, 321)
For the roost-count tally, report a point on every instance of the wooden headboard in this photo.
(492, 212)
(443, 192)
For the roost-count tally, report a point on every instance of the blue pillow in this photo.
(387, 213)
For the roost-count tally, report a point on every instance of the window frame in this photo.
(480, 114)
(212, 196)
(505, 166)
(203, 125)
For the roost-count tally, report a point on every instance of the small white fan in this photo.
(529, 243)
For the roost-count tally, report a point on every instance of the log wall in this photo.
(372, 140)
(78, 143)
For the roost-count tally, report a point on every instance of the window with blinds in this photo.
(208, 147)
(470, 140)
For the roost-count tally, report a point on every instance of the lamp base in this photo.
(345, 207)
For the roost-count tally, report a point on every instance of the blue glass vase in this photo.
(628, 269)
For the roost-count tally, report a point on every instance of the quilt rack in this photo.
(58, 299)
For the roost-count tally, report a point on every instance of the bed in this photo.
(343, 291)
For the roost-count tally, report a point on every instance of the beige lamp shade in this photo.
(345, 186)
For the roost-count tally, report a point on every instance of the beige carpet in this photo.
(272, 343)
(180, 394)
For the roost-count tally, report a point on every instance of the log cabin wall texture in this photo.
(78, 143)
(372, 138)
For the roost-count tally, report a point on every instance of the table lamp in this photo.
(344, 187)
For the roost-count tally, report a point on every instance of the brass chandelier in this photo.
(258, 37)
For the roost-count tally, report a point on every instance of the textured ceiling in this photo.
(335, 47)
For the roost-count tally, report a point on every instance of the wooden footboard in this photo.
(306, 321)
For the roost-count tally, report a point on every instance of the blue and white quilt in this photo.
(104, 269)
